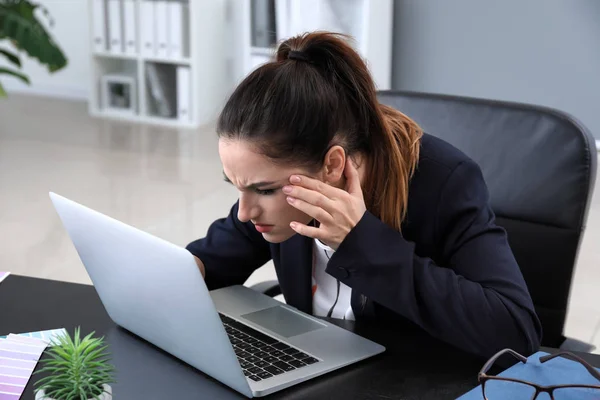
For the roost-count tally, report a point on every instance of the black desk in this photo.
(413, 367)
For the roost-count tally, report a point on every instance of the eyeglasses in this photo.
(499, 388)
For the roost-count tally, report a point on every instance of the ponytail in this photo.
(318, 92)
(399, 145)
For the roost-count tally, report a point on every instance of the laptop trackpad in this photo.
(283, 322)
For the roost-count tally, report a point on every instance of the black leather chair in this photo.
(540, 167)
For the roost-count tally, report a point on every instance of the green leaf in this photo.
(15, 74)
(61, 393)
(19, 24)
(95, 354)
(77, 340)
(13, 58)
(62, 353)
(89, 337)
(2, 91)
(83, 394)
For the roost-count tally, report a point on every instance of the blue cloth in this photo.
(558, 371)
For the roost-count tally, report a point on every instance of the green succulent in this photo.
(77, 368)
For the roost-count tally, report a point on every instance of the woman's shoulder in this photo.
(439, 155)
(445, 182)
(438, 160)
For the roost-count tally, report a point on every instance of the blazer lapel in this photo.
(295, 273)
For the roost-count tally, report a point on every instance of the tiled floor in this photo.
(166, 182)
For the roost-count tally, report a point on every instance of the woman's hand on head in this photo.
(337, 210)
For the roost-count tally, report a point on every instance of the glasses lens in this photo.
(576, 393)
(496, 389)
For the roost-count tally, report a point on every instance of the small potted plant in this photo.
(78, 369)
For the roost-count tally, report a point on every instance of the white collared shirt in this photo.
(325, 287)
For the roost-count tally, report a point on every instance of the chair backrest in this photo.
(540, 167)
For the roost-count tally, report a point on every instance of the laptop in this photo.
(248, 341)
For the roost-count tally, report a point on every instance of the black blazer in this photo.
(450, 273)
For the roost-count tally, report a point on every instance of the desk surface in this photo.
(413, 367)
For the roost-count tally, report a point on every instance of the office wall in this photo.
(71, 32)
(544, 52)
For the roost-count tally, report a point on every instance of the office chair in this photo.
(540, 167)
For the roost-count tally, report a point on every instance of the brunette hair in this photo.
(317, 93)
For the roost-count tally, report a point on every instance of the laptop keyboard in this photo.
(261, 356)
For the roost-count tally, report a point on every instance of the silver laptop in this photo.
(248, 341)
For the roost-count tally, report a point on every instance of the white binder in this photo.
(115, 26)
(175, 29)
(147, 28)
(99, 25)
(129, 26)
(162, 36)
(283, 19)
(185, 29)
(184, 91)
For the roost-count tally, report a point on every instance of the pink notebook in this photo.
(19, 355)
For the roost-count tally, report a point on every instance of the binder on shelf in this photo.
(186, 31)
(283, 19)
(129, 27)
(305, 16)
(147, 28)
(161, 23)
(184, 99)
(99, 25)
(115, 32)
(175, 29)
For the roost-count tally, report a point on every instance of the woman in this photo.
(364, 215)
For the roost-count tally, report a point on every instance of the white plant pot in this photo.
(104, 396)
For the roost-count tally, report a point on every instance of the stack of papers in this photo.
(19, 355)
(4, 275)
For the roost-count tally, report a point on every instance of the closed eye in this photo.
(265, 192)
(262, 192)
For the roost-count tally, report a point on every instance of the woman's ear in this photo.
(333, 167)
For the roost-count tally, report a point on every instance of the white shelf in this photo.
(123, 56)
(369, 22)
(200, 65)
(263, 51)
(166, 60)
(183, 61)
(165, 122)
(115, 115)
